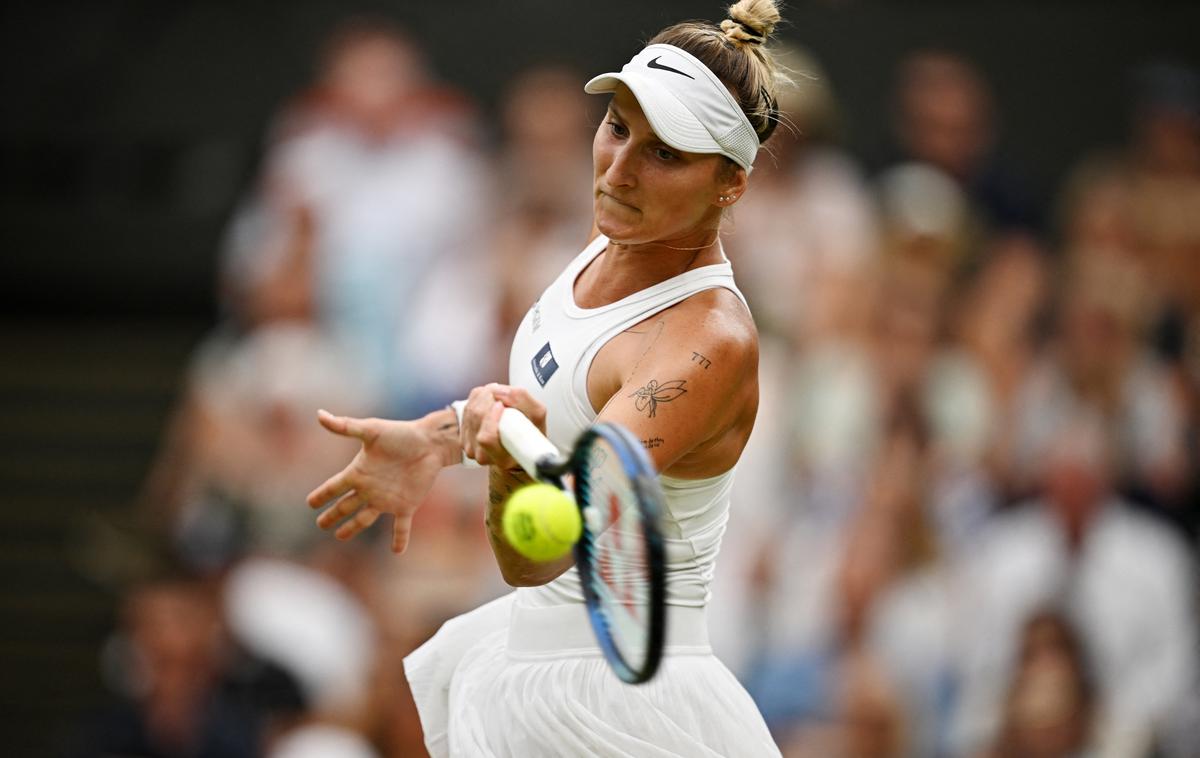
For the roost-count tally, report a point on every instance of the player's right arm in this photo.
(481, 441)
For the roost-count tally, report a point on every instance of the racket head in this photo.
(620, 554)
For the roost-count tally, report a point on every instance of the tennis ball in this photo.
(541, 522)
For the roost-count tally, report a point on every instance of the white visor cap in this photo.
(686, 104)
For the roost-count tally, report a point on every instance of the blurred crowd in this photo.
(965, 523)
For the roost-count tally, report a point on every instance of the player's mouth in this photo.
(616, 200)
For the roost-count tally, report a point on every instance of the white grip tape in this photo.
(523, 441)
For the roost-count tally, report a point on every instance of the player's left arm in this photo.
(691, 393)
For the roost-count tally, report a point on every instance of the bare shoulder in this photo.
(716, 320)
(689, 386)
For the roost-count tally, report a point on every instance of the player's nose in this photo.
(622, 169)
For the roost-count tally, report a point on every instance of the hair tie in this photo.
(758, 36)
(751, 36)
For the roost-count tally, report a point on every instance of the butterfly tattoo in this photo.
(653, 393)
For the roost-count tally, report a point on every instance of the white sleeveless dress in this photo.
(522, 676)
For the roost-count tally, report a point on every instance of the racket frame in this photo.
(541, 460)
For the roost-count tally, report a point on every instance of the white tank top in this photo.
(550, 357)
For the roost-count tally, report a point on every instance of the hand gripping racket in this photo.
(620, 551)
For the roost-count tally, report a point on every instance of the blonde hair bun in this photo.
(737, 55)
(751, 21)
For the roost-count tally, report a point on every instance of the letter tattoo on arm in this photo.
(697, 358)
(653, 393)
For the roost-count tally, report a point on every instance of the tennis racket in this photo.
(620, 551)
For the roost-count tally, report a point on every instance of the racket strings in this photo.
(621, 572)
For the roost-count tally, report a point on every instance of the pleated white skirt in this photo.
(510, 681)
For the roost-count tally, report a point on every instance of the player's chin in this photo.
(617, 230)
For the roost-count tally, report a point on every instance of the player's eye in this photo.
(663, 154)
(617, 130)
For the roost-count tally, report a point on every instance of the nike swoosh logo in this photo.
(655, 64)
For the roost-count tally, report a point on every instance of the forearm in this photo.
(516, 569)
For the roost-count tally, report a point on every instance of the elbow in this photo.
(521, 581)
(522, 576)
(526, 573)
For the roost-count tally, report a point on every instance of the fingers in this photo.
(401, 528)
(489, 428)
(479, 404)
(335, 424)
(481, 427)
(489, 438)
(363, 429)
(519, 398)
(361, 521)
(505, 393)
(361, 516)
(334, 486)
(348, 504)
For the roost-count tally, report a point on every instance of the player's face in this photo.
(644, 189)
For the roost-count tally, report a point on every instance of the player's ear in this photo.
(731, 184)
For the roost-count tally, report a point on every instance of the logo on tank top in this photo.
(544, 365)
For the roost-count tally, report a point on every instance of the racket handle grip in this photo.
(524, 441)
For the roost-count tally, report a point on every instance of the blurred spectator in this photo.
(921, 369)
(307, 623)
(1130, 218)
(362, 226)
(168, 663)
(243, 450)
(1050, 708)
(539, 227)
(922, 215)
(803, 245)
(805, 230)
(372, 180)
(1125, 581)
(1098, 359)
(865, 719)
(1165, 194)
(925, 217)
(973, 381)
(905, 620)
(996, 327)
(322, 741)
(879, 678)
(945, 117)
(1165, 199)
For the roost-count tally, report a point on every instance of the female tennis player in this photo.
(645, 328)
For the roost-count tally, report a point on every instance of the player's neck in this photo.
(662, 259)
(621, 270)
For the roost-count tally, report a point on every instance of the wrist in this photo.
(457, 408)
(441, 427)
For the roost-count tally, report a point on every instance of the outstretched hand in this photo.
(392, 473)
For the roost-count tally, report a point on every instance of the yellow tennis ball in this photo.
(541, 522)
